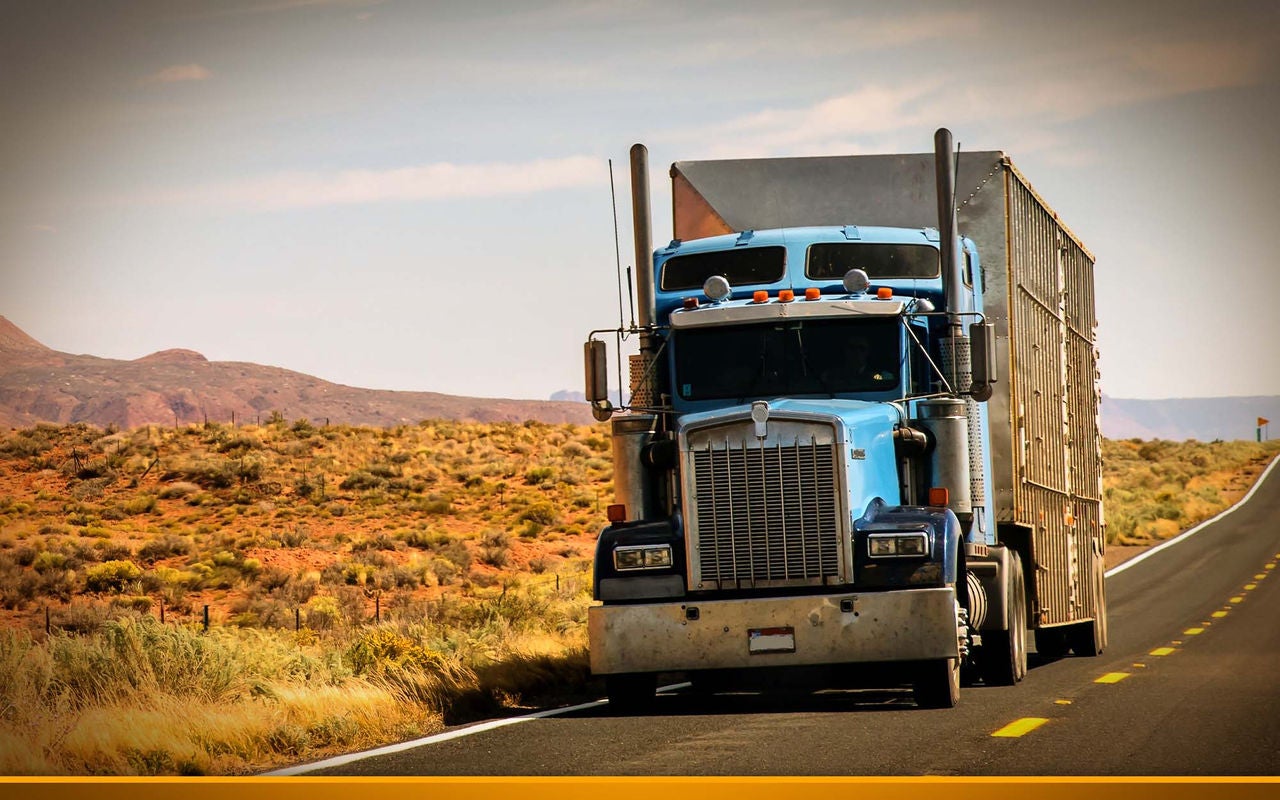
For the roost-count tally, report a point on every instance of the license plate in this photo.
(771, 640)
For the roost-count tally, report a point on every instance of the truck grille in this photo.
(764, 515)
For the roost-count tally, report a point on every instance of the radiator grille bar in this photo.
(765, 514)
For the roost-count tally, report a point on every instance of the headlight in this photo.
(881, 546)
(646, 556)
(888, 545)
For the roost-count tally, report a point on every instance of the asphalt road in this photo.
(1192, 687)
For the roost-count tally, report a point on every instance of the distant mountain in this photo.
(38, 384)
(574, 396)
(1201, 418)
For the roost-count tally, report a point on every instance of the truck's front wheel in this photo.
(938, 684)
(630, 691)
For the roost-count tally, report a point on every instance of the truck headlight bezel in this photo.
(636, 557)
(898, 544)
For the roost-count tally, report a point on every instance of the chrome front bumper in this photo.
(901, 625)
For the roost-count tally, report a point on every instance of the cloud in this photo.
(178, 73)
(440, 181)
(1046, 92)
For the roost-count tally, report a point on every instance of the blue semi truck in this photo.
(861, 430)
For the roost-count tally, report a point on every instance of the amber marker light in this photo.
(690, 303)
(939, 496)
(786, 296)
(616, 512)
(884, 293)
(760, 296)
(812, 293)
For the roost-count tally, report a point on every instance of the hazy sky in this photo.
(413, 195)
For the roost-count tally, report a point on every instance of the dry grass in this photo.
(1155, 489)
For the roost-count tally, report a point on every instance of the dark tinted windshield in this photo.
(744, 265)
(833, 260)
(794, 357)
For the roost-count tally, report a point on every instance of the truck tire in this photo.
(630, 692)
(938, 684)
(1003, 657)
(1089, 639)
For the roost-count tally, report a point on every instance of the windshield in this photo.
(742, 266)
(833, 260)
(788, 357)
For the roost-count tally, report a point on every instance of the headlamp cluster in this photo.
(642, 556)
(897, 545)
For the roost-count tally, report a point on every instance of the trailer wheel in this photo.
(629, 692)
(1003, 658)
(1089, 639)
(938, 684)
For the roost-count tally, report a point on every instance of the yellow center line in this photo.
(1219, 614)
(1237, 599)
(1260, 576)
(1020, 727)
(1193, 631)
(1062, 702)
(1249, 587)
(1112, 677)
(1162, 651)
(1272, 565)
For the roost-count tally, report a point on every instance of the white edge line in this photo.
(338, 761)
(1148, 554)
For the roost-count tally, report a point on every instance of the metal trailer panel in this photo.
(1038, 291)
(1057, 454)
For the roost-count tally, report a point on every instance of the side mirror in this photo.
(982, 336)
(596, 365)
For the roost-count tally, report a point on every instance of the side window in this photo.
(921, 375)
(968, 269)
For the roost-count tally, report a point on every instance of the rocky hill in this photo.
(38, 384)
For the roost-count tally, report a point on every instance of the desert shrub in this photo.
(380, 541)
(168, 578)
(362, 481)
(495, 556)
(111, 576)
(139, 603)
(47, 562)
(239, 445)
(286, 537)
(178, 489)
(25, 555)
(423, 539)
(25, 444)
(142, 504)
(384, 470)
(541, 513)
(538, 475)
(115, 513)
